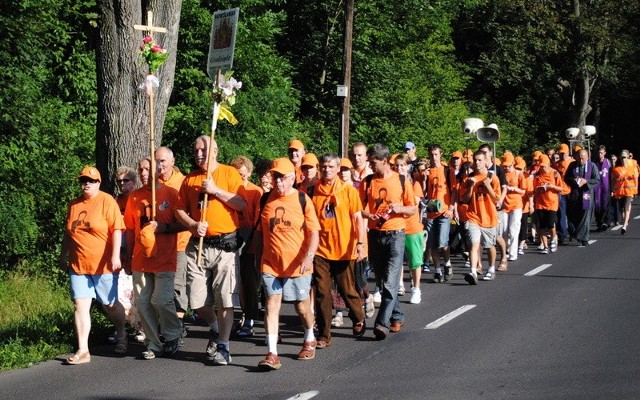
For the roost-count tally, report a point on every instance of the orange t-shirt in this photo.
(383, 192)
(335, 206)
(222, 219)
(90, 225)
(283, 227)
(513, 200)
(249, 216)
(546, 199)
(462, 208)
(438, 189)
(121, 199)
(528, 187)
(175, 182)
(482, 209)
(136, 216)
(414, 225)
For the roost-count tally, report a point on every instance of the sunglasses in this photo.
(87, 180)
(121, 181)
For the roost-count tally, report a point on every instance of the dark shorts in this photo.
(546, 219)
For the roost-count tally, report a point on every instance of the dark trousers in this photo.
(342, 272)
(249, 279)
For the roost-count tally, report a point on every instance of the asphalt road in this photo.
(557, 326)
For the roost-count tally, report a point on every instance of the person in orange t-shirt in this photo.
(91, 255)
(249, 277)
(171, 176)
(414, 235)
(289, 231)
(439, 188)
(481, 193)
(527, 203)
(215, 278)
(624, 187)
(386, 204)
(561, 166)
(547, 185)
(338, 207)
(516, 188)
(296, 151)
(152, 249)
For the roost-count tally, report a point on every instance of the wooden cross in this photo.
(149, 28)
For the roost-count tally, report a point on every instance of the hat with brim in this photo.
(148, 241)
(91, 173)
(544, 161)
(296, 144)
(282, 166)
(309, 160)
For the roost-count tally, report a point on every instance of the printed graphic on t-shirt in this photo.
(279, 222)
(80, 222)
(381, 199)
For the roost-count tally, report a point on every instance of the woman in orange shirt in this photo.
(91, 254)
(624, 187)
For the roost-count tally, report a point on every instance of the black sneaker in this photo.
(171, 347)
(438, 277)
(448, 273)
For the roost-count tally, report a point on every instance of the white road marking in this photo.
(304, 396)
(638, 217)
(592, 241)
(617, 227)
(539, 269)
(443, 320)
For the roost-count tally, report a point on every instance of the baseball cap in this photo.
(456, 154)
(564, 148)
(577, 148)
(544, 161)
(537, 154)
(508, 159)
(310, 160)
(624, 153)
(91, 173)
(409, 146)
(148, 241)
(392, 159)
(296, 144)
(282, 166)
(346, 163)
(520, 163)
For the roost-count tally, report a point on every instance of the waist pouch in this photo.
(227, 242)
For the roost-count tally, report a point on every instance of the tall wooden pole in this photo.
(346, 70)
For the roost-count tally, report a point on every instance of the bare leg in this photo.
(115, 312)
(82, 319)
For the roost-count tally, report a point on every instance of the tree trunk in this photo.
(122, 129)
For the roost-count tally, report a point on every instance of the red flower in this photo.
(147, 39)
(156, 49)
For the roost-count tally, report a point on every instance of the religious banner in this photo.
(223, 41)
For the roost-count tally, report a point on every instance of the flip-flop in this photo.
(76, 359)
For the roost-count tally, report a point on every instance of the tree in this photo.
(122, 132)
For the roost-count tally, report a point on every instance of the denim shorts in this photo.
(103, 287)
(291, 289)
(438, 229)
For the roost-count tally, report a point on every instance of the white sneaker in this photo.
(467, 264)
(401, 290)
(489, 276)
(338, 320)
(369, 307)
(448, 263)
(416, 296)
(377, 297)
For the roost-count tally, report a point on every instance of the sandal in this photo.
(359, 329)
(122, 346)
(503, 266)
(78, 358)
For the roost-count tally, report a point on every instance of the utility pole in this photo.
(345, 90)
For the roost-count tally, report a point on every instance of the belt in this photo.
(217, 239)
(385, 233)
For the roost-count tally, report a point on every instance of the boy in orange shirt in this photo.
(547, 185)
(481, 192)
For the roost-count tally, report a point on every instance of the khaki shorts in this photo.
(215, 281)
(486, 237)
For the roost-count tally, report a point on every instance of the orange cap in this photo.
(507, 159)
(148, 241)
(521, 164)
(537, 154)
(310, 160)
(296, 144)
(283, 166)
(91, 173)
(564, 148)
(456, 154)
(346, 163)
(392, 159)
(577, 148)
(544, 161)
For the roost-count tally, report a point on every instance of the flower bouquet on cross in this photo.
(153, 54)
(224, 95)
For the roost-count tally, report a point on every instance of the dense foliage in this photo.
(419, 68)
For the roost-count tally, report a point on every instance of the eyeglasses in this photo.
(87, 180)
(121, 181)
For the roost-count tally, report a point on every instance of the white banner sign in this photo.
(223, 41)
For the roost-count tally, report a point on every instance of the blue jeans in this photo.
(386, 250)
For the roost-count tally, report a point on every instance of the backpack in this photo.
(368, 180)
